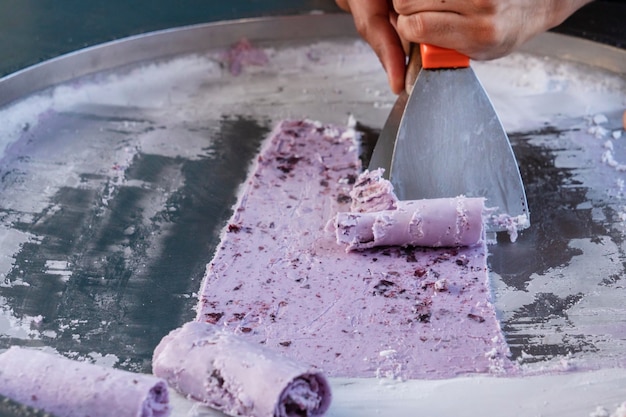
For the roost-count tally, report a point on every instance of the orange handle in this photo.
(435, 57)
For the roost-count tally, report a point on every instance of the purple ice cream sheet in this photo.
(240, 378)
(280, 279)
(69, 388)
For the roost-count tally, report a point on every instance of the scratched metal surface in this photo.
(115, 184)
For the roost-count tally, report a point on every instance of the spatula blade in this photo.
(451, 142)
(383, 151)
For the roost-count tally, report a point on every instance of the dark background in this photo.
(32, 31)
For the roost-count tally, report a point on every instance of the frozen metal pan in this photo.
(120, 164)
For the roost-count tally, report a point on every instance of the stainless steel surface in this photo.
(578, 50)
(450, 142)
(167, 43)
(116, 182)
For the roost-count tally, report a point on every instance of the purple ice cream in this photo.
(377, 218)
(280, 279)
(229, 373)
(69, 388)
(371, 193)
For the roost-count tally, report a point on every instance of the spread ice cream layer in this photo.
(279, 278)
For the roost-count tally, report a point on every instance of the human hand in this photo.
(375, 21)
(480, 29)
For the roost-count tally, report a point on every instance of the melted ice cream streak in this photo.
(226, 372)
(69, 388)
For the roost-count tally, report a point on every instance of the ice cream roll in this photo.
(226, 372)
(441, 222)
(68, 388)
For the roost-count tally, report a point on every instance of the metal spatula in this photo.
(447, 140)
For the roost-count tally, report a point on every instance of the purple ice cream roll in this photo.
(442, 222)
(228, 373)
(68, 388)
(378, 218)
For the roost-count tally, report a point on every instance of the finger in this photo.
(476, 38)
(390, 51)
(373, 23)
(343, 5)
(414, 64)
(406, 45)
(408, 7)
(395, 66)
